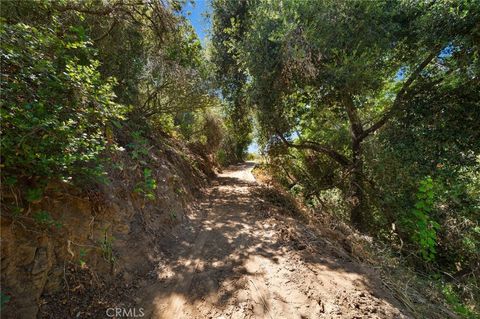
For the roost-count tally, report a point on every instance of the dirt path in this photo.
(237, 259)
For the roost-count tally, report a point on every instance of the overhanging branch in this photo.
(317, 147)
(107, 32)
(397, 103)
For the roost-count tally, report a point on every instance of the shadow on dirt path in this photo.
(235, 258)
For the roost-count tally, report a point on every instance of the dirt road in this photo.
(239, 258)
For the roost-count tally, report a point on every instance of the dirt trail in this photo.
(237, 259)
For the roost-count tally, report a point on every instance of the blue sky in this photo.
(196, 12)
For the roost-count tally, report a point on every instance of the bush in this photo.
(56, 108)
(423, 228)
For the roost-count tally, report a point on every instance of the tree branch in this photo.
(317, 147)
(72, 7)
(355, 122)
(107, 32)
(397, 103)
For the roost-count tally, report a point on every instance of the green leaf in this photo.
(34, 194)
(3, 299)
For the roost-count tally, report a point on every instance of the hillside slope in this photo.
(96, 242)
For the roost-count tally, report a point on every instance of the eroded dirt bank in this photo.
(237, 257)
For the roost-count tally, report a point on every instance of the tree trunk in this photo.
(357, 196)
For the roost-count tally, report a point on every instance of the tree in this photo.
(338, 72)
(229, 21)
(75, 72)
(56, 107)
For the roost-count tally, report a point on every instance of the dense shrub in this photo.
(56, 108)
